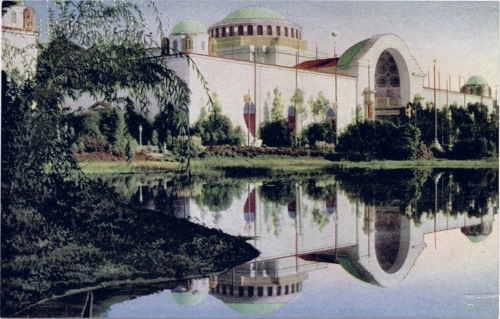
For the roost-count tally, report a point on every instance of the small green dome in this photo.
(476, 80)
(254, 308)
(188, 26)
(254, 13)
(476, 238)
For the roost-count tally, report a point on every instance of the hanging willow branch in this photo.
(109, 52)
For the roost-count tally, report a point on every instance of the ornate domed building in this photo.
(273, 38)
(254, 51)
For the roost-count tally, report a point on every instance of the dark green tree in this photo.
(277, 133)
(378, 140)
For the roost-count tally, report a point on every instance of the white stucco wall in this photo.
(454, 97)
(231, 79)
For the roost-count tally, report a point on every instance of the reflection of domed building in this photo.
(192, 293)
(257, 288)
(477, 233)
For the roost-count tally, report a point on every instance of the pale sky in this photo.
(463, 36)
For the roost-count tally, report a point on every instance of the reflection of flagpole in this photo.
(255, 89)
(296, 235)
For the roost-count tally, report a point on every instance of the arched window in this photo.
(217, 32)
(250, 30)
(174, 45)
(240, 30)
(223, 32)
(278, 31)
(13, 17)
(269, 291)
(212, 33)
(293, 33)
(188, 45)
(286, 31)
(269, 30)
(260, 291)
(260, 30)
(231, 31)
(250, 291)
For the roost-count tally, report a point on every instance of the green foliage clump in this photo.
(278, 192)
(216, 128)
(378, 140)
(319, 132)
(277, 134)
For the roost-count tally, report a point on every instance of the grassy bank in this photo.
(275, 163)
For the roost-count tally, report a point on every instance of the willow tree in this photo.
(97, 49)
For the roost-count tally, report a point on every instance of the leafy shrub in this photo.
(217, 129)
(317, 132)
(473, 148)
(277, 134)
(378, 140)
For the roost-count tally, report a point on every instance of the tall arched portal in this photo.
(387, 87)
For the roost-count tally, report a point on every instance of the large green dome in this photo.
(254, 308)
(254, 13)
(476, 80)
(188, 26)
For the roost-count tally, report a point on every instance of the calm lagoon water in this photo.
(343, 244)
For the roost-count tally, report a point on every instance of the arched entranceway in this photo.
(387, 87)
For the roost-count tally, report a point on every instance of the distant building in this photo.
(254, 50)
(19, 39)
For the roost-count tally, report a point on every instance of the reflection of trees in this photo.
(321, 218)
(278, 192)
(61, 243)
(219, 196)
(454, 191)
(460, 191)
(318, 191)
(382, 187)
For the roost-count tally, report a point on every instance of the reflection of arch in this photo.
(388, 241)
(366, 260)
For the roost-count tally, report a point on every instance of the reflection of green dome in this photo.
(477, 238)
(254, 13)
(476, 80)
(254, 308)
(345, 262)
(188, 26)
(348, 55)
(188, 298)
